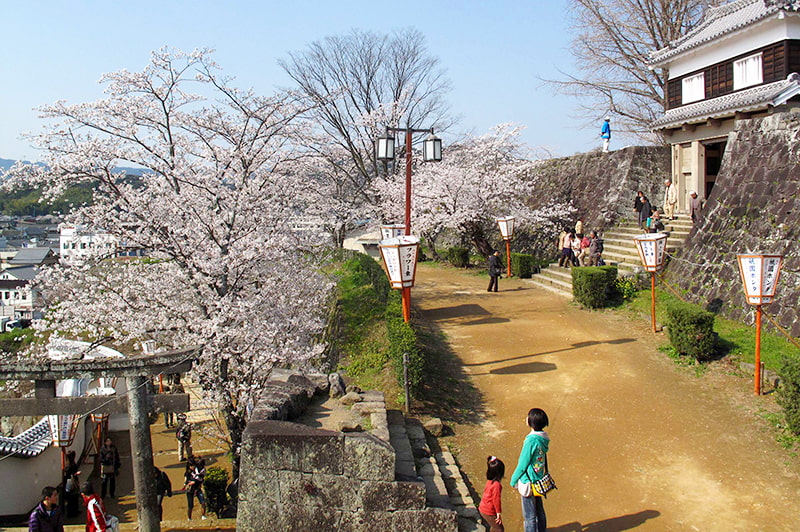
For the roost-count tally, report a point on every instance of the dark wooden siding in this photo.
(778, 61)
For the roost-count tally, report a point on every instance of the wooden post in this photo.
(653, 300)
(508, 258)
(142, 455)
(757, 384)
(406, 300)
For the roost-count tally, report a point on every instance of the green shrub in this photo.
(522, 265)
(458, 256)
(594, 286)
(625, 288)
(215, 483)
(691, 330)
(403, 339)
(789, 392)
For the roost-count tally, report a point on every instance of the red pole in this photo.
(508, 258)
(653, 300)
(758, 351)
(408, 181)
(406, 295)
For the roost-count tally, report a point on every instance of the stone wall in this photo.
(602, 186)
(299, 478)
(754, 206)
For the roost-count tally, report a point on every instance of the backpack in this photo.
(184, 432)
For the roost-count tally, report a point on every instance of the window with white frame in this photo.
(747, 72)
(694, 88)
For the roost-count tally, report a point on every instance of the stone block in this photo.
(373, 396)
(466, 524)
(278, 445)
(426, 467)
(365, 522)
(367, 457)
(297, 518)
(392, 496)
(434, 426)
(309, 489)
(469, 511)
(436, 492)
(429, 520)
(350, 398)
(370, 407)
(259, 500)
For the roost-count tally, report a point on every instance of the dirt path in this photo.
(636, 441)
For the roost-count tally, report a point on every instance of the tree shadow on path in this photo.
(576, 345)
(613, 524)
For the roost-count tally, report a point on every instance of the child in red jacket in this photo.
(490, 507)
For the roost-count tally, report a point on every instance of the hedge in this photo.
(691, 330)
(789, 392)
(522, 265)
(403, 339)
(215, 484)
(458, 256)
(594, 286)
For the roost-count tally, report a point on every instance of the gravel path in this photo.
(636, 441)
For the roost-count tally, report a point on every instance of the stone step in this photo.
(404, 467)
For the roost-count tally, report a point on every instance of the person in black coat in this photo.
(645, 213)
(494, 271)
(637, 203)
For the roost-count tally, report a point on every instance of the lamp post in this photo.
(652, 249)
(760, 273)
(400, 257)
(431, 151)
(62, 432)
(507, 231)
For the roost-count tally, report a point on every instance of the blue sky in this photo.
(493, 53)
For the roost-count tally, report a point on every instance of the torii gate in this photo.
(136, 369)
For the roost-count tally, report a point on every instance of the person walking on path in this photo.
(670, 199)
(109, 468)
(184, 436)
(95, 509)
(605, 133)
(47, 516)
(163, 489)
(491, 506)
(72, 490)
(494, 271)
(531, 466)
(195, 474)
(637, 203)
(695, 207)
(175, 387)
(645, 213)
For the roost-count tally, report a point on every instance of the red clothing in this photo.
(490, 504)
(95, 514)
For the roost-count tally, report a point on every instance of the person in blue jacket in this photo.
(531, 467)
(605, 133)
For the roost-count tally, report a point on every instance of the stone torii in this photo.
(136, 369)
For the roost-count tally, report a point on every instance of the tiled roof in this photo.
(720, 21)
(30, 256)
(755, 98)
(28, 444)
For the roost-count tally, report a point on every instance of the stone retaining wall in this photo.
(753, 206)
(300, 478)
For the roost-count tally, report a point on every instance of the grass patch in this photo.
(785, 437)
(735, 339)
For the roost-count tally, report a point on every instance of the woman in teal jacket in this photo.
(531, 467)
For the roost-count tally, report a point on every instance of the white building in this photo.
(741, 61)
(77, 242)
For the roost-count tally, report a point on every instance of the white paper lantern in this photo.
(760, 274)
(400, 257)
(63, 428)
(506, 227)
(652, 249)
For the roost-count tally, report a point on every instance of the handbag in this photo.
(112, 523)
(546, 483)
(524, 488)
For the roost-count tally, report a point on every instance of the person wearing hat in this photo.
(605, 133)
(184, 436)
(695, 207)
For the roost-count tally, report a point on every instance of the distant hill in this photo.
(5, 164)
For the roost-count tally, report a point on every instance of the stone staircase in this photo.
(444, 482)
(619, 250)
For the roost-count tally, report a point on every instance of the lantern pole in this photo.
(508, 257)
(653, 300)
(757, 378)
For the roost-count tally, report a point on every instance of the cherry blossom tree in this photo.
(480, 179)
(211, 209)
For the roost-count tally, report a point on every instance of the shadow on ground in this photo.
(613, 524)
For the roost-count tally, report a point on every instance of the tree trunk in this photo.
(474, 232)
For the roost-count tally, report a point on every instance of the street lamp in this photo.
(652, 249)
(62, 432)
(400, 257)
(507, 230)
(431, 151)
(760, 275)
